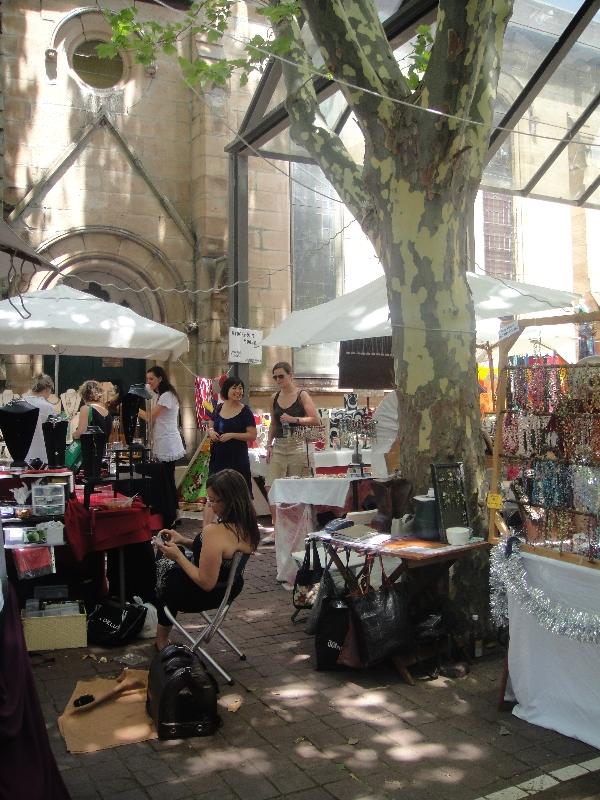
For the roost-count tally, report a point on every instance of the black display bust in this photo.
(17, 423)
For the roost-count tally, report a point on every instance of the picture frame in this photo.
(450, 499)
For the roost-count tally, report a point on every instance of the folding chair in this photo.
(213, 625)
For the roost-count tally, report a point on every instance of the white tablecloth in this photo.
(555, 679)
(315, 491)
(323, 458)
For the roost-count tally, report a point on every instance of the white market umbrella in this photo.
(364, 313)
(64, 321)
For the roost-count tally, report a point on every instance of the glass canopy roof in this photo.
(546, 139)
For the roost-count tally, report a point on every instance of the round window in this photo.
(101, 73)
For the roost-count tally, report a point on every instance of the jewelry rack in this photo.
(549, 427)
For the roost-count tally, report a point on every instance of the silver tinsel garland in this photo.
(508, 576)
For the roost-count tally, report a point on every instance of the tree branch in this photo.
(309, 129)
(461, 76)
(355, 49)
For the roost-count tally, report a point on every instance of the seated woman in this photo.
(199, 585)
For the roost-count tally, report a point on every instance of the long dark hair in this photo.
(238, 509)
(165, 384)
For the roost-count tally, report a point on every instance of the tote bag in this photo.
(73, 455)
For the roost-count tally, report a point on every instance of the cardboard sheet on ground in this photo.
(119, 720)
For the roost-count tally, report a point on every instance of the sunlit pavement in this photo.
(307, 735)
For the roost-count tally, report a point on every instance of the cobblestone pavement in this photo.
(307, 735)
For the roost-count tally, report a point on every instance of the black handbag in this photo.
(182, 696)
(381, 619)
(332, 628)
(308, 578)
(111, 625)
(325, 590)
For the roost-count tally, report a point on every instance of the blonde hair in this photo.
(90, 391)
(42, 382)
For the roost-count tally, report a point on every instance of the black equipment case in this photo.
(182, 696)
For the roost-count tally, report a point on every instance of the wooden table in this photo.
(414, 555)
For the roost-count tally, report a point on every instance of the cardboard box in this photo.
(55, 632)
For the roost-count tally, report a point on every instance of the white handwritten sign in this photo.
(508, 329)
(245, 346)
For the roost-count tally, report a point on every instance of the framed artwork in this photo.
(450, 501)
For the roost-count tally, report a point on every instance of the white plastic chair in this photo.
(213, 624)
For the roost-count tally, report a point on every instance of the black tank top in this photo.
(295, 410)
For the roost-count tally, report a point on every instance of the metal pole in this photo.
(238, 252)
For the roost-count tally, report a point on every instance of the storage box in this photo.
(55, 632)
(48, 499)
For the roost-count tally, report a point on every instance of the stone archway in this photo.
(128, 268)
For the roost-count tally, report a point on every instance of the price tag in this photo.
(494, 501)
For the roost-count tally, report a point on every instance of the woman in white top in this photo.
(167, 444)
(41, 389)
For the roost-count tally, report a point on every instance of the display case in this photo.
(32, 506)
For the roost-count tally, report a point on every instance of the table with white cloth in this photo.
(556, 679)
(330, 460)
(296, 500)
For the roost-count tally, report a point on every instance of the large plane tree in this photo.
(415, 189)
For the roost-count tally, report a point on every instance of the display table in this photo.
(421, 563)
(100, 529)
(326, 461)
(555, 678)
(296, 500)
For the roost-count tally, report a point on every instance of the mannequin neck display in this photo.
(6, 396)
(55, 438)
(56, 403)
(71, 400)
(18, 420)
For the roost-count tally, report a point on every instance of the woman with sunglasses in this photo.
(199, 585)
(290, 408)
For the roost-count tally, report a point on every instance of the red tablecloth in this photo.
(93, 530)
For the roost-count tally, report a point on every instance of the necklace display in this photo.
(71, 400)
(552, 426)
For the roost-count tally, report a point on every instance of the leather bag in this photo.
(381, 620)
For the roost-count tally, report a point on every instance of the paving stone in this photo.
(438, 740)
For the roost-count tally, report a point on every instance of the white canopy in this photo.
(14, 251)
(63, 321)
(364, 313)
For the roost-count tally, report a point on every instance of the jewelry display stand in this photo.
(17, 422)
(548, 444)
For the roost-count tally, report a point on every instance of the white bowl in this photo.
(458, 535)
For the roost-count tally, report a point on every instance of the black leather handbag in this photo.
(381, 620)
(182, 696)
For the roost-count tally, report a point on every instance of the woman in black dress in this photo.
(229, 431)
(93, 411)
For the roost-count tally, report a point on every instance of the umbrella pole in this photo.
(56, 364)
